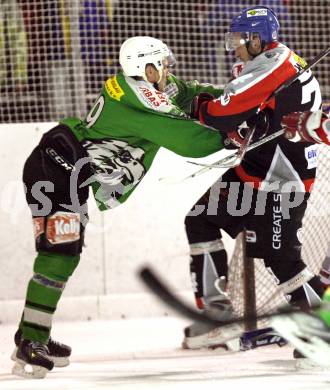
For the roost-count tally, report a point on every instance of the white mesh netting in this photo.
(55, 54)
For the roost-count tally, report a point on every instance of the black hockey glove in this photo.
(196, 103)
(235, 138)
(261, 122)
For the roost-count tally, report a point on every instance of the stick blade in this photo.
(154, 284)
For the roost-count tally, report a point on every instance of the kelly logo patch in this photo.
(38, 226)
(63, 227)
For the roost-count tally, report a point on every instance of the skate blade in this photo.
(58, 361)
(313, 347)
(13, 355)
(309, 364)
(28, 371)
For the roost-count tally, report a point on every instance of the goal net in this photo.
(55, 55)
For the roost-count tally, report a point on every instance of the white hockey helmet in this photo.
(135, 53)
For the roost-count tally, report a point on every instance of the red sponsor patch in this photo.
(38, 226)
(63, 227)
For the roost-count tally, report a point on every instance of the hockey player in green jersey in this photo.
(138, 111)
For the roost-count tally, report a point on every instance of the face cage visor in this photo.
(169, 61)
(233, 40)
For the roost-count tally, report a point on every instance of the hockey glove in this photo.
(234, 139)
(259, 121)
(197, 101)
(307, 126)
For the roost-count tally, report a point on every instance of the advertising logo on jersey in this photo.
(171, 90)
(237, 69)
(154, 97)
(63, 227)
(38, 226)
(113, 88)
(256, 12)
(117, 168)
(277, 222)
(270, 54)
(311, 156)
(300, 61)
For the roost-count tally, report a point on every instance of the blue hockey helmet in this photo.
(260, 19)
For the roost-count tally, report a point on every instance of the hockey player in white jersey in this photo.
(273, 236)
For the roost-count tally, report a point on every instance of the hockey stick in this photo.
(155, 285)
(228, 158)
(207, 167)
(238, 156)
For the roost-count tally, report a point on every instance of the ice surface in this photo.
(145, 354)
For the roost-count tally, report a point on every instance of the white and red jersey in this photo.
(323, 132)
(279, 160)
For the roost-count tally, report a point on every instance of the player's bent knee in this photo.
(54, 267)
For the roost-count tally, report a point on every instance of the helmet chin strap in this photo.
(160, 71)
(253, 55)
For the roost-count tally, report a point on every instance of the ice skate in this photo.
(59, 353)
(309, 335)
(32, 360)
(199, 335)
(304, 363)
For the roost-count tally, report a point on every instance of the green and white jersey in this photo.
(127, 125)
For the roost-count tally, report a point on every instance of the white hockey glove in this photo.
(307, 126)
